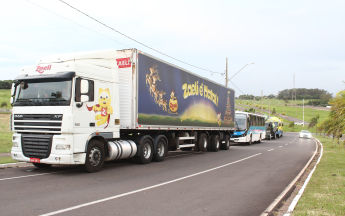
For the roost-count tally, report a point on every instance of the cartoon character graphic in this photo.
(173, 105)
(219, 119)
(104, 100)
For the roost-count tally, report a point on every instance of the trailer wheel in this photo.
(214, 143)
(42, 166)
(203, 142)
(226, 145)
(159, 156)
(94, 157)
(147, 152)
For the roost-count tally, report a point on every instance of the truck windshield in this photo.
(241, 122)
(43, 93)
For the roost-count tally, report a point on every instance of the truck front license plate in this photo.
(35, 160)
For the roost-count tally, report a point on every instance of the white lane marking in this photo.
(271, 150)
(40, 174)
(286, 144)
(144, 189)
(18, 177)
(280, 146)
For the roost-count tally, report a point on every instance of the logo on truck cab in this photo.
(123, 62)
(41, 69)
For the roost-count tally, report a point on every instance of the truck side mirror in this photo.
(84, 86)
(13, 88)
(84, 98)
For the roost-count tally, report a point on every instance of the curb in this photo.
(289, 187)
(300, 193)
(10, 165)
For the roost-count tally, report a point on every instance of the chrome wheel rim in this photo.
(147, 150)
(95, 156)
(217, 143)
(227, 143)
(160, 149)
(205, 143)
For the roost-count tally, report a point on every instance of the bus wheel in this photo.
(250, 141)
(214, 143)
(226, 145)
(259, 139)
(94, 157)
(203, 142)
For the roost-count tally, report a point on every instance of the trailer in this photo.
(90, 107)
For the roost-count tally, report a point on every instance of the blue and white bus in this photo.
(249, 128)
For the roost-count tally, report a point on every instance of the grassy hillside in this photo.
(5, 133)
(5, 95)
(280, 107)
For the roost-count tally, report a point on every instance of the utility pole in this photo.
(269, 109)
(226, 76)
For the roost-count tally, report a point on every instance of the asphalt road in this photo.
(244, 180)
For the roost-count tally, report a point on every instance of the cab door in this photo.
(83, 114)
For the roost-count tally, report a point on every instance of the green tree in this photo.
(292, 125)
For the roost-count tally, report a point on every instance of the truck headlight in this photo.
(63, 147)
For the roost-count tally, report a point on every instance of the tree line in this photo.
(334, 124)
(5, 84)
(303, 93)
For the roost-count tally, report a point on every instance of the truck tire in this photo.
(146, 153)
(42, 166)
(162, 150)
(214, 145)
(94, 157)
(226, 145)
(203, 142)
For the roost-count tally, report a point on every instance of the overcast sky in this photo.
(282, 37)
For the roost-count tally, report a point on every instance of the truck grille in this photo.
(36, 146)
(50, 123)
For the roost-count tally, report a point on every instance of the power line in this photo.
(212, 72)
(77, 23)
(237, 87)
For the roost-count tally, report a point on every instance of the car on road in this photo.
(305, 134)
(299, 123)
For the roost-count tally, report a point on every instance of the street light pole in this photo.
(226, 79)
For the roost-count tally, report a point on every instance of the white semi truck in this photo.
(90, 107)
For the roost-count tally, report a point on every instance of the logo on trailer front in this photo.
(41, 69)
(123, 62)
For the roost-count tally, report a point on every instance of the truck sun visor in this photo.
(47, 77)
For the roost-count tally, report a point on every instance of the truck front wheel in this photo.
(146, 152)
(94, 157)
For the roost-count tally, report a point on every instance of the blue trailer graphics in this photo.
(171, 96)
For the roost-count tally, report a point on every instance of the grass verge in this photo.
(325, 192)
(5, 133)
(5, 160)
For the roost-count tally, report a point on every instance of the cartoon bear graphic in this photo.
(104, 100)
